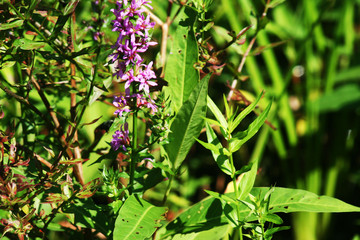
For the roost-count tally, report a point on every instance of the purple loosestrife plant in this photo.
(133, 40)
(133, 28)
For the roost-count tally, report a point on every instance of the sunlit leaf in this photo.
(223, 197)
(179, 70)
(209, 146)
(27, 44)
(272, 231)
(235, 144)
(273, 218)
(7, 64)
(59, 25)
(211, 212)
(222, 160)
(274, 3)
(13, 24)
(70, 7)
(247, 180)
(187, 124)
(217, 113)
(244, 113)
(89, 189)
(72, 161)
(137, 219)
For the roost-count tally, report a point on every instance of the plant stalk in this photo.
(133, 159)
(237, 193)
(168, 189)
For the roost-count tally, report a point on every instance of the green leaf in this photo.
(209, 146)
(221, 159)
(13, 24)
(137, 219)
(274, 230)
(244, 169)
(187, 124)
(96, 93)
(296, 200)
(212, 212)
(179, 70)
(273, 218)
(27, 44)
(247, 181)
(223, 197)
(163, 167)
(228, 110)
(88, 214)
(200, 217)
(236, 143)
(274, 3)
(32, 6)
(59, 25)
(70, 7)
(211, 121)
(7, 64)
(244, 113)
(217, 113)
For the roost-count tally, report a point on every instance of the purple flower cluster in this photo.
(134, 39)
(121, 138)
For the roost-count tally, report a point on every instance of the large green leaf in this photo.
(200, 217)
(137, 219)
(187, 124)
(179, 70)
(297, 200)
(212, 212)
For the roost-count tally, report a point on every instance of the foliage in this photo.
(112, 123)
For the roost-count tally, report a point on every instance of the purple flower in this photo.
(145, 76)
(129, 77)
(121, 138)
(142, 101)
(144, 24)
(122, 104)
(134, 38)
(133, 30)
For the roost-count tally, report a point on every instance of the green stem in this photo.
(236, 190)
(240, 233)
(168, 189)
(133, 159)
